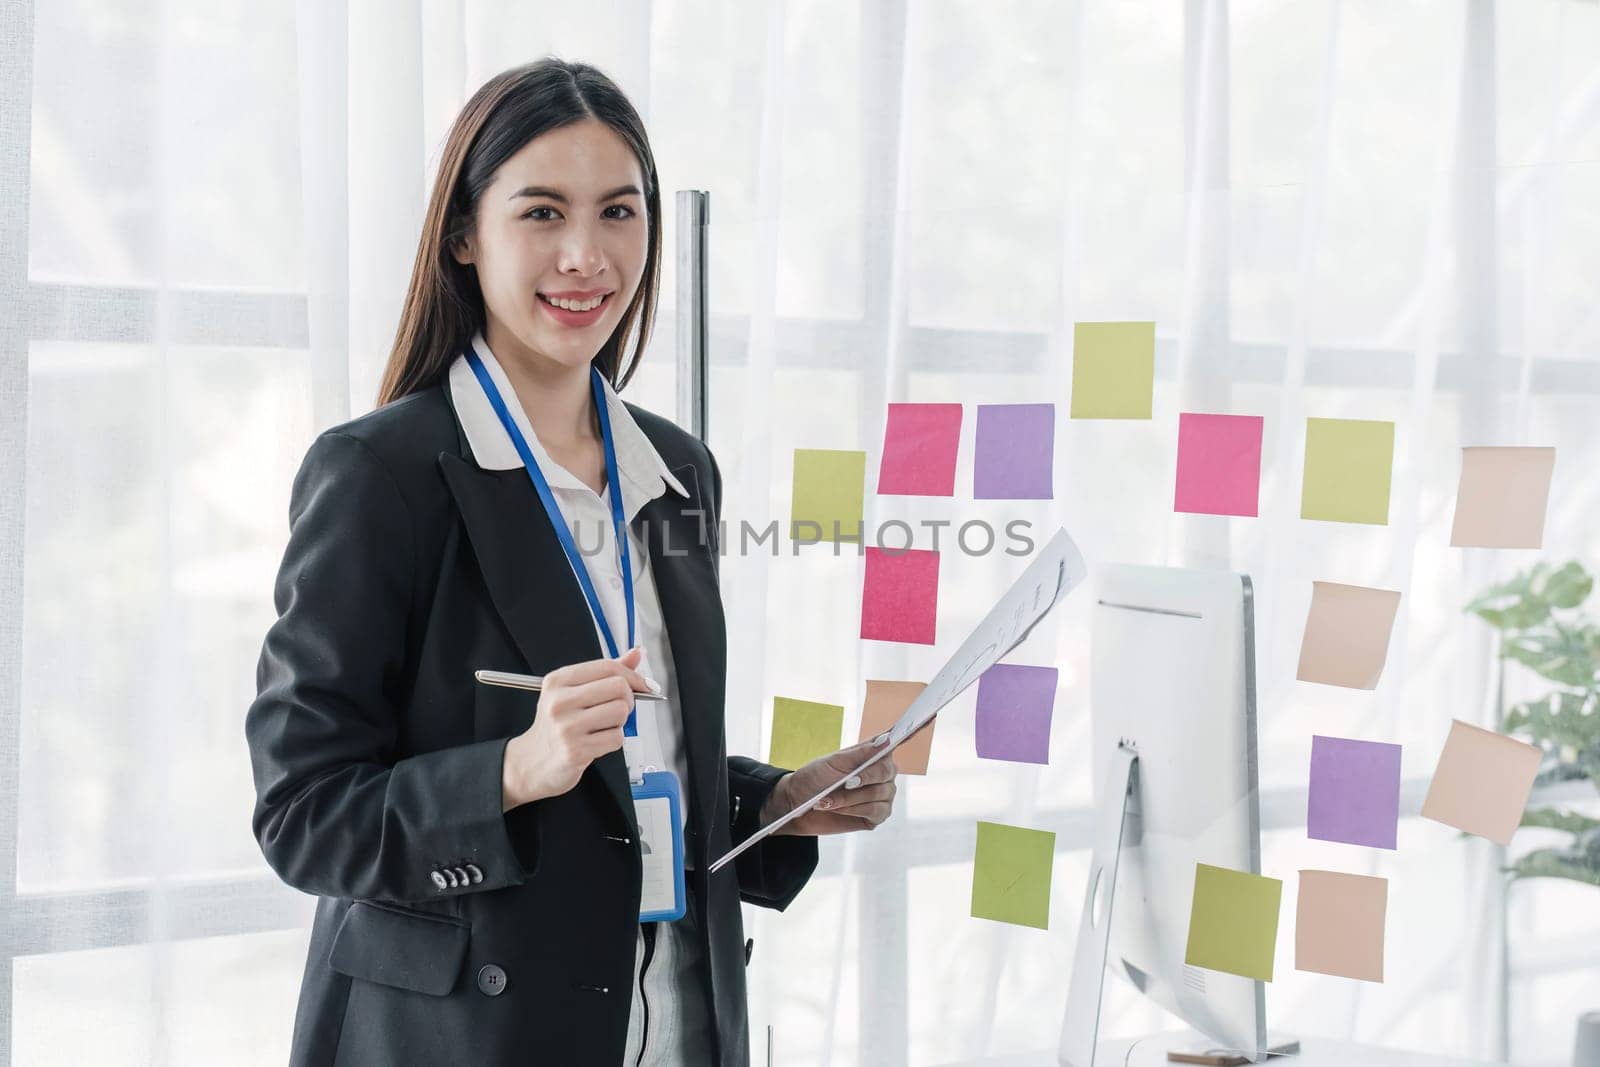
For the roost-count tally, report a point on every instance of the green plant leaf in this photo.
(1555, 863)
(1511, 604)
(1565, 587)
(1564, 718)
(1555, 819)
(1559, 652)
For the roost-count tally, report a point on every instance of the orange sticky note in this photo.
(1339, 924)
(886, 702)
(1482, 782)
(1502, 497)
(1346, 640)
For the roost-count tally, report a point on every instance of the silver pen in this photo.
(535, 682)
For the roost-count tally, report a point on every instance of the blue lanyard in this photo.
(618, 523)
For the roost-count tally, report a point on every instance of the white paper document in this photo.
(1055, 572)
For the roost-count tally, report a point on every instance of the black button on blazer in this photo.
(446, 929)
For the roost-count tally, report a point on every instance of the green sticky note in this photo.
(1113, 369)
(1348, 464)
(1011, 874)
(828, 488)
(802, 730)
(1233, 922)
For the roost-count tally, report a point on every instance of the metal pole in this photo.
(693, 319)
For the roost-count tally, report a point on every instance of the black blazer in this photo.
(377, 759)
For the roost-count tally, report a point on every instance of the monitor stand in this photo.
(1080, 1029)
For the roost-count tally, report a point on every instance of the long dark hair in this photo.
(444, 304)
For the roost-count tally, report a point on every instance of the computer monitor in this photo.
(1173, 702)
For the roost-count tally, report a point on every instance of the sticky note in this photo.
(1346, 639)
(1339, 923)
(803, 730)
(1502, 497)
(1011, 870)
(1347, 470)
(1219, 464)
(1015, 703)
(828, 489)
(1355, 792)
(1113, 369)
(1014, 452)
(920, 442)
(885, 703)
(1482, 782)
(1233, 922)
(900, 595)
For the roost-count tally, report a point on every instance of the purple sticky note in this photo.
(1219, 464)
(919, 450)
(1014, 707)
(1355, 792)
(1015, 451)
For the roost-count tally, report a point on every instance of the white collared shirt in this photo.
(644, 476)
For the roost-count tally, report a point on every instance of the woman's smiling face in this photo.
(563, 220)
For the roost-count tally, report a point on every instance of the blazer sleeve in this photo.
(339, 811)
(772, 873)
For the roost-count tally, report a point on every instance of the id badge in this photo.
(657, 803)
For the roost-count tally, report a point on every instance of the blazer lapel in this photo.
(683, 563)
(532, 587)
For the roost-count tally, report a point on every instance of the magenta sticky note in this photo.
(1219, 464)
(900, 595)
(920, 442)
(1355, 792)
(1014, 452)
(1015, 703)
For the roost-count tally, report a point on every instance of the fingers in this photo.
(871, 804)
(577, 674)
(882, 771)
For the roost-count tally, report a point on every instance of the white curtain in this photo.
(1384, 209)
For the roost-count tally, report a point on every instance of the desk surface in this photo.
(1314, 1052)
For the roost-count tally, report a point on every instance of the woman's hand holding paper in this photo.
(860, 807)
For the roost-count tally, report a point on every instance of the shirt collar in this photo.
(644, 474)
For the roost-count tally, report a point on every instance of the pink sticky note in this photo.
(1219, 464)
(919, 450)
(900, 595)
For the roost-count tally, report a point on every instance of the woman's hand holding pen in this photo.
(862, 806)
(581, 710)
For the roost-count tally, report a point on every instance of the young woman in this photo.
(476, 848)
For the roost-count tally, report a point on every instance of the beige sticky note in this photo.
(1502, 497)
(1482, 782)
(1338, 927)
(1346, 639)
(886, 702)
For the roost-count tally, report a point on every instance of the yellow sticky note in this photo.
(1233, 922)
(828, 488)
(803, 730)
(1347, 471)
(1113, 369)
(1011, 870)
